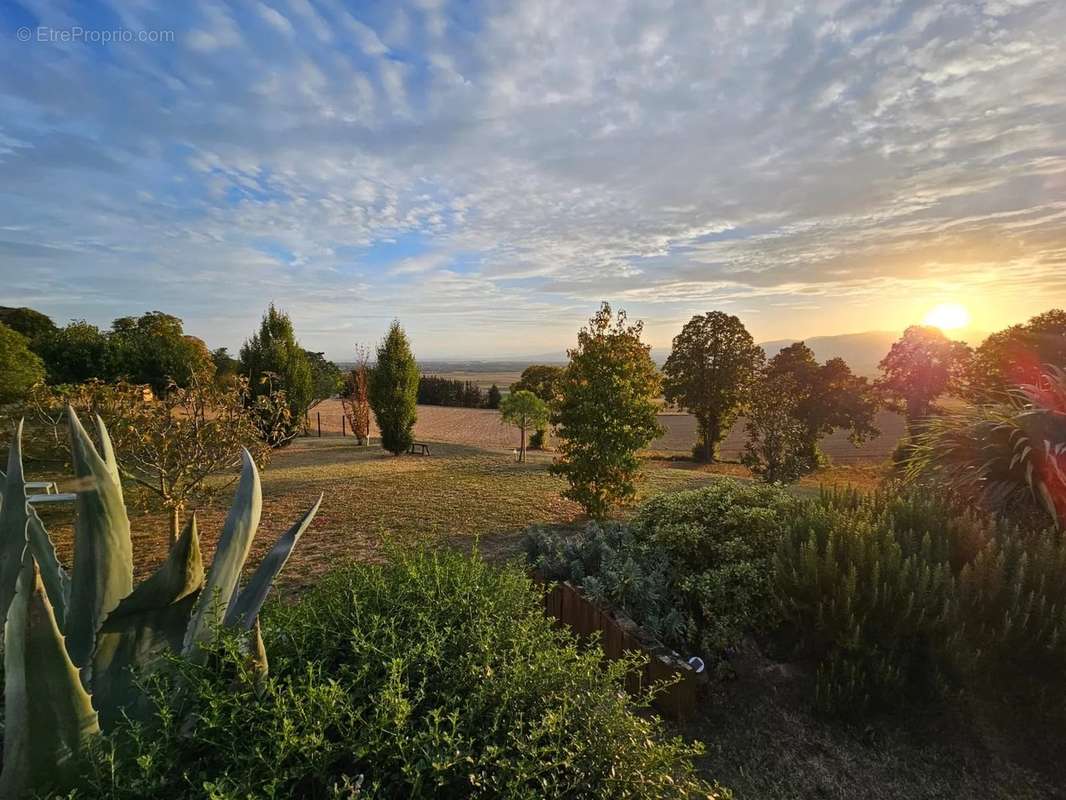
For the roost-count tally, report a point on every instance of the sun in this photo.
(947, 316)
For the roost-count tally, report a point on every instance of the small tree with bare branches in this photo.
(356, 398)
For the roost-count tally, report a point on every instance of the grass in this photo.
(455, 496)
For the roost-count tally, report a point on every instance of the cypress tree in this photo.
(394, 391)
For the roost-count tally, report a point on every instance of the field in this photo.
(458, 495)
(761, 738)
(482, 428)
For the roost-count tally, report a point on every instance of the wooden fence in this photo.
(619, 636)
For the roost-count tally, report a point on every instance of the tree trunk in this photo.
(522, 452)
(175, 524)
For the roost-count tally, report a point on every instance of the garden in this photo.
(385, 634)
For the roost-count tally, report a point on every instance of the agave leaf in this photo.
(232, 551)
(103, 552)
(150, 620)
(53, 576)
(12, 522)
(244, 610)
(48, 714)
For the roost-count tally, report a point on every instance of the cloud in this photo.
(821, 166)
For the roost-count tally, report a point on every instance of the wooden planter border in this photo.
(620, 635)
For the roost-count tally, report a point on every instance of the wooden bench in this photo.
(421, 447)
(41, 487)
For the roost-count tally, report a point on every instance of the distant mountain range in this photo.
(862, 351)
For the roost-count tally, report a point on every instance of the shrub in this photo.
(429, 676)
(865, 584)
(721, 542)
(1012, 610)
(693, 567)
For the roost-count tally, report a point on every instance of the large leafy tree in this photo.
(824, 398)
(1017, 355)
(75, 353)
(525, 411)
(920, 368)
(394, 391)
(710, 371)
(605, 412)
(326, 377)
(543, 380)
(153, 349)
(20, 369)
(777, 449)
(274, 362)
(30, 323)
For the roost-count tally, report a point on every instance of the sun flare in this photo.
(947, 316)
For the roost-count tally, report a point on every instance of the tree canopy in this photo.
(154, 349)
(75, 353)
(921, 367)
(326, 377)
(20, 369)
(30, 323)
(605, 412)
(709, 373)
(543, 380)
(824, 398)
(394, 391)
(273, 361)
(1016, 355)
(525, 411)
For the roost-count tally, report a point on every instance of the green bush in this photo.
(430, 676)
(865, 586)
(692, 567)
(721, 542)
(896, 593)
(1012, 610)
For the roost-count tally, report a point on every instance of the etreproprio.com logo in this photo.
(78, 34)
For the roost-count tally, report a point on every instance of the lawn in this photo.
(457, 495)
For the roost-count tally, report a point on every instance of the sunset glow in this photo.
(947, 317)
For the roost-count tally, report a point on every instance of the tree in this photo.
(227, 368)
(394, 391)
(709, 372)
(172, 447)
(20, 369)
(1017, 355)
(605, 412)
(543, 380)
(326, 377)
(31, 324)
(777, 449)
(921, 367)
(75, 353)
(355, 396)
(493, 397)
(525, 411)
(827, 397)
(153, 349)
(273, 361)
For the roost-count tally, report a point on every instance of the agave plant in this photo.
(1002, 455)
(74, 642)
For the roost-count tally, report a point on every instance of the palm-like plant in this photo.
(1008, 455)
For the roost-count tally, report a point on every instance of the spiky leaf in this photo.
(152, 619)
(244, 610)
(53, 576)
(13, 517)
(48, 714)
(103, 552)
(232, 551)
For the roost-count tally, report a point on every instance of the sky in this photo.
(487, 173)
